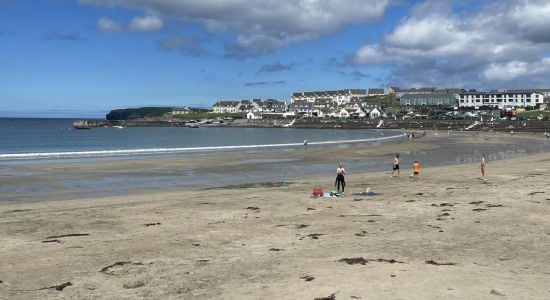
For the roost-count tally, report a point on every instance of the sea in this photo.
(40, 159)
(32, 139)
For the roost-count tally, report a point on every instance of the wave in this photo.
(128, 152)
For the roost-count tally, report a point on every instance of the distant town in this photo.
(380, 103)
(355, 108)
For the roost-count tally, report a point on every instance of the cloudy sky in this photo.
(82, 58)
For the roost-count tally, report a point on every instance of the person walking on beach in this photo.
(395, 165)
(483, 166)
(416, 170)
(340, 181)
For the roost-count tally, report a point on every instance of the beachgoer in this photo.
(416, 170)
(340, 181)
(483, 165)
(395, 165)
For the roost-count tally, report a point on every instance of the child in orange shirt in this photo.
(416, 170)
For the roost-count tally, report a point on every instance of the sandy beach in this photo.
(453, 235)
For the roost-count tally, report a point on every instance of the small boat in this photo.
(118, 127)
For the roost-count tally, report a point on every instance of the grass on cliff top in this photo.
(384, 101)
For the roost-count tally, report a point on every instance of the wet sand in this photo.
(32, 181)
(452, 235)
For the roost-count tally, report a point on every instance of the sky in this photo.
(82, 58)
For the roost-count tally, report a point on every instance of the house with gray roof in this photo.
(429, 99)
(376, 92)
(272, 105)
(415, 91)
(223, 107)
(337, 96)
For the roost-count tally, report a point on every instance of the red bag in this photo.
(317, 191)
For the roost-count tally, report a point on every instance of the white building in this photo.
(178, 111)
(376, 113)
(254, 115)
(224, 107)
(500, 99)
(338, 97)
(359, 113)
(343, 113)
(398, 92)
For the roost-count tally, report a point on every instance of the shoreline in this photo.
(452, 235)
(65, 179)
(311, 123)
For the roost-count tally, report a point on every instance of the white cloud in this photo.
(516, 69)
(107, 25)
(279, 23)
(146, 24)
(371, 54)
(500, 42)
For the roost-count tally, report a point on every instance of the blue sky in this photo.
(82, 58)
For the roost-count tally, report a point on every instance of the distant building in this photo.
(272, 105)
(224, 107)
(338, 97)
(501, 99)
(302, 107)
(343, 113)
(430, 99)
(356, 103)
(257, 102)
(254, 115)
(376, 113)
(359, 113)
(178, 111)
(376, 92)
(323, 103)
(545, 92)
(398, 92)
(246, 106)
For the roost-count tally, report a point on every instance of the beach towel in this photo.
(328, 195)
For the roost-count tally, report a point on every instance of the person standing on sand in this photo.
(416, 170)
(395, 165)
(483, 166)
(340, 181)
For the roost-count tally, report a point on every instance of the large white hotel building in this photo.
(501, 99)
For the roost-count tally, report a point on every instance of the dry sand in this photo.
(453, 235)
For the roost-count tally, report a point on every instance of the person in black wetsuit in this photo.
(340, 181)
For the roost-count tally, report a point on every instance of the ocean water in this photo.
(55, 138)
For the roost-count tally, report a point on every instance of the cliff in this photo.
(138, 113)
